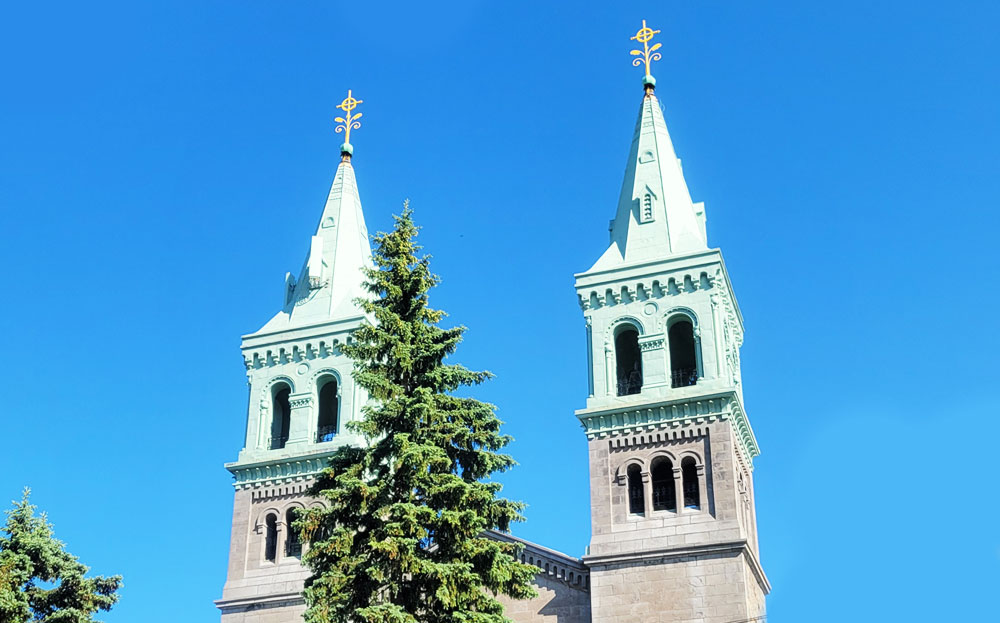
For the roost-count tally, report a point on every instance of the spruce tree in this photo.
(40, 580)
(404, 538)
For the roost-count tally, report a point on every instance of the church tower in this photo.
(674, 536)
(301, 396)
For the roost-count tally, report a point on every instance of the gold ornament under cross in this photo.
(648, 53)
(349, 121)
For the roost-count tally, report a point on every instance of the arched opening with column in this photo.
(683, 351)
(664, 489)
(281, 416)
(328, 416)
(628, 360)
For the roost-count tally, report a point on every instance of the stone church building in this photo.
(673, 526)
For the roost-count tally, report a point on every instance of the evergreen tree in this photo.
(404, 537)
(40, 580)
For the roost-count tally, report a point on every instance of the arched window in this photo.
(664, 490)
(281, 416)
(293, 546)
(629, 360)
(689, 475)
(329, 409)
(683, 360)
(636, 497)
(270, 537)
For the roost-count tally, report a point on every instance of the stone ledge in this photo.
(229, 606)
(733, 548)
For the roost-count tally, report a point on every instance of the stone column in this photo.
(300, 425)
(609, 370)
(654, 361)
(678, 489)
(647, 495)
(702, 488)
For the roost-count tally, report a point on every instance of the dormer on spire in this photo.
(656, 217)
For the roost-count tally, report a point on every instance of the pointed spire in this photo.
(655, 216)
(331, 278)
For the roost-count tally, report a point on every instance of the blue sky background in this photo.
(162, 164)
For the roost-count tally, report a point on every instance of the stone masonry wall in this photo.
(556, 603)
(714, 588)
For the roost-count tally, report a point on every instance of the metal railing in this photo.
(326, 433)
(627, 387)
(276, 443)
(684, 377)
(293, 548)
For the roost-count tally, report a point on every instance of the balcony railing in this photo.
(685, 377)
(326, 433)
(276, 443)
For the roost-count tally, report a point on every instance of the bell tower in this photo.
(674, 535)
(301, 396)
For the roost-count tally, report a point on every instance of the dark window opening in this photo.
(270, 538)
(636, 497)
(329, 409)
(683, 361)
(629, 362)
(689, 474)
(293, 545)
(664, 489)
(280, 419)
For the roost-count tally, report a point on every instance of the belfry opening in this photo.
(629, 361)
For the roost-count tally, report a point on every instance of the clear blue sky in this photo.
(162, 164)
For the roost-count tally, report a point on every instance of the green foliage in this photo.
(40, 580)
(403, 539)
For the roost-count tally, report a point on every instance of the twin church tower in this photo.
(673, 526)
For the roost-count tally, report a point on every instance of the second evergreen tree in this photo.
(404, 538)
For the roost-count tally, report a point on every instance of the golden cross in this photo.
(648, 54)
(348, 121)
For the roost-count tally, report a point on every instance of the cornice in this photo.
(278, 471)
(664, 282)
(257, 602)
(671, 414)
(560, 566)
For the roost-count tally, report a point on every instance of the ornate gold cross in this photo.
(647, 54)
(349, 121)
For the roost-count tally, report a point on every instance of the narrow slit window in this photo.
(692, 490)
(636, 497)
(271, 537)
(293, 545)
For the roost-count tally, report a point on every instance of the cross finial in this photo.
(647, 54)
(347, 123)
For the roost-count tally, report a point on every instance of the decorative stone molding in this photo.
(552, 564)
(299, 400)
(671, 284)
(681, 417)
(303, 350)
(296, 470)
(651, 344)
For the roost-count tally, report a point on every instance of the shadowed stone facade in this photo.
(673, 525)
